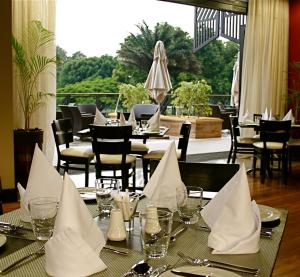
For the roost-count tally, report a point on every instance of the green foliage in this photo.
(136, 53)
(30, 65)
(131, 95)
(217, 59)
(79, 69)
(90, 86)
(193, 98)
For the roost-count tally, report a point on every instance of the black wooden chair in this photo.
(111, 146)
(87, 109)
(72, 157)
(272, 148)
(239, 145)
(210, 176)
(158, 154)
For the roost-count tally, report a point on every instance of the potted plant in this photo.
(30, 64)
(193, 98)
(131, 95)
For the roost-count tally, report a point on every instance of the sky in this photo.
(97, 27)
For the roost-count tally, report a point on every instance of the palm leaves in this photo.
(30, 64)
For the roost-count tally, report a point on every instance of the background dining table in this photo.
(192, 242)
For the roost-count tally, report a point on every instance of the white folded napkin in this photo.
(165, 186)
(271, 117)
(289, 116)
(76, 238)
(154, 122)
(233, 219)
(122, 120)
(99, 118)
(246, 117)
(265, 115)
(43, 181)
(131, 119)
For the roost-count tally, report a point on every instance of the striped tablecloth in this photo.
(192, 242)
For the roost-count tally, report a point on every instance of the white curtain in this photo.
(23, 12)
(265, 61)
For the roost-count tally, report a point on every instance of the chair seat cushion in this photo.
(75, 152)
(245, 140)
(139, 147)
(270, 145)
(294, 142)
(158, 154)
(116, 159)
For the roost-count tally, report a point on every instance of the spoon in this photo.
(142, 268)
(178, 231)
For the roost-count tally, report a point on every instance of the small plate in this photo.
(87, 194)
(204, 270)
(2, 240)
(268, 214)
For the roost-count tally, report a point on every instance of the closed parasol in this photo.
(158, 80)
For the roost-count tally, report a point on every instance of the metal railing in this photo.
(111, 102)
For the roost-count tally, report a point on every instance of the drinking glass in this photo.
(144, 124)
(189, 210)
(156, 227)
(105, 188)
(43, 212)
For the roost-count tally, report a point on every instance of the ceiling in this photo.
(223, 5)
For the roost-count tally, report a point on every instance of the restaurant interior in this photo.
(270, 45)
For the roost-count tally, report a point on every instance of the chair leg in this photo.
(87, 174)
(234, 156)
(145, 170)
(229, 155)
(58, 165)
(254, 164)
(263, 168)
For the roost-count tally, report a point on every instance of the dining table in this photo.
(192, 242)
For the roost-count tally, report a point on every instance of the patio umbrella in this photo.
(235, 83)
(158, 80)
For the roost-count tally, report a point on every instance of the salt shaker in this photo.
(116, 228)
(152, 225)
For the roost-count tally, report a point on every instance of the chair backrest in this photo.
(209, 176)
(77, 119)
(62, 131)
(149, 109)
(87, 108)
(66, 112)
(112, 140)
(274, 131)
(215, 111)
(183, 141)
(234, 128)
(126, 115)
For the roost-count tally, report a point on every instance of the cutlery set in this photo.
(264, 232)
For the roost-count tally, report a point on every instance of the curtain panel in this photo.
(23, 12)
(265, 61)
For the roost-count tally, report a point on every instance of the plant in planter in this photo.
(131, 95)
(193, 98)
(30, 64)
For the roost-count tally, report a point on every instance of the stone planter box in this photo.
(202, 127)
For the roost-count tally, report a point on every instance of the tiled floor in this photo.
(195, 147)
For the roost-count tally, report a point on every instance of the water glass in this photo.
(189, 210)
(43, 212)
(155, 232)
(105, 188)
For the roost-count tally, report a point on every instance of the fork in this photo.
(37, 253)
(228, 266)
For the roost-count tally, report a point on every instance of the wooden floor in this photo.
(273, 193)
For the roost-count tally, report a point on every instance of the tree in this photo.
(79, 69)
(136, 53)
(217, 60)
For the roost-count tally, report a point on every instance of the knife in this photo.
(117, 251)
(187, 274)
